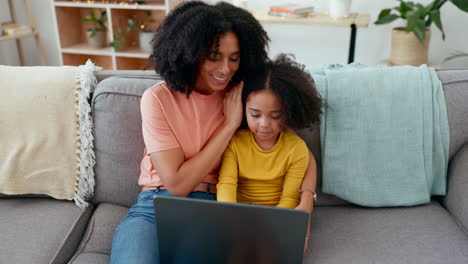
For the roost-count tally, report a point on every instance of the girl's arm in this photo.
(181, 176)
(307, 198)
(308, 184)
(294, 177)
(226, 190)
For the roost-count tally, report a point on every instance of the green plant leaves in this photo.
(133, 23)
(404, 8)
(385, 17)
(455, 55)
(435, 16)
(98, 24)
(461, 4)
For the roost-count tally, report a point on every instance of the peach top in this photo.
(171, 120)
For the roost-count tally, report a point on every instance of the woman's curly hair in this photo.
(187, 34)
(295, 88)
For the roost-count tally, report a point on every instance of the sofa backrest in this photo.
(455, 82)
(119, 143)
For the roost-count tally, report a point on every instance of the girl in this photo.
(265, 164)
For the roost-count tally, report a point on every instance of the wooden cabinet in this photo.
(73, 45)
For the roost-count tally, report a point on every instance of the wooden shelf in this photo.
(74, 48)
(79, 59)
(97, 4)
(124, 63)
(133, 52)
(84, 48)
(320, 19)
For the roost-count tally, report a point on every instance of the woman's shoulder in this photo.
(159, 89)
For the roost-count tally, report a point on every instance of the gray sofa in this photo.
(35, 229)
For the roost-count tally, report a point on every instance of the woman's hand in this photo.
(233, 112)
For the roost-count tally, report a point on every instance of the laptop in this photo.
(203, 231)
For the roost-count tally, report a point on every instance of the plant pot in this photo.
(339, 8)
(407, 49)
(98, 40)
(145, 38)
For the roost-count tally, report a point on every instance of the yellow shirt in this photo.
(272, 177)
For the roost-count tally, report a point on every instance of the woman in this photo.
(204, 53)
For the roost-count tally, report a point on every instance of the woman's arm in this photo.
(180, 177)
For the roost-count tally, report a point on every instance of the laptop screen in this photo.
(202, 231)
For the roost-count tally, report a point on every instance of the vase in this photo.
(144, 38)
(339, 8)
(98, 40)
(407, 49)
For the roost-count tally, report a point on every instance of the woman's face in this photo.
(215, 72)
(265, 117)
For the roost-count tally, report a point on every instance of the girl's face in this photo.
(215, 72)
(265, 117)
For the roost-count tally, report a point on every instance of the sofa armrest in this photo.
(456, 200)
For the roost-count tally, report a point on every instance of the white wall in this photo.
(312, 45)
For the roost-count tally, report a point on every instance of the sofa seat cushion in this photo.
(35, 230)
(96, 244)
(419, 234)
(91, 258)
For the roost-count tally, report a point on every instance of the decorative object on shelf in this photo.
(96, 35)
(339, 8)
(15, 29)
(142, 26)
(291, 10)
(240, 3)
(146, 33)
(410, 43)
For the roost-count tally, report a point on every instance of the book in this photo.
(293, 9)
(14, 29)
(281, 14)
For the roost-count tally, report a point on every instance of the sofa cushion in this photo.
(40, 230)
(418, 234)
(97, 241)
(118, 138)
(91, 258)
(58, 163)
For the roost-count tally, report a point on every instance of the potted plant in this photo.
(142, 26)
(96, 34)
(410, 43)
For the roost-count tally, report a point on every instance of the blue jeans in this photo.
(135, 239)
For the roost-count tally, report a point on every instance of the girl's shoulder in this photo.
(241, 135)
(291, 139)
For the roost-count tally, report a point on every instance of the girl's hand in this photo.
(233, 112)
(306, 202)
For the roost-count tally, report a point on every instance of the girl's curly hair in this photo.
(187, 34)
(295, 88)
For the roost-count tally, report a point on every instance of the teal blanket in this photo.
(384, 134)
